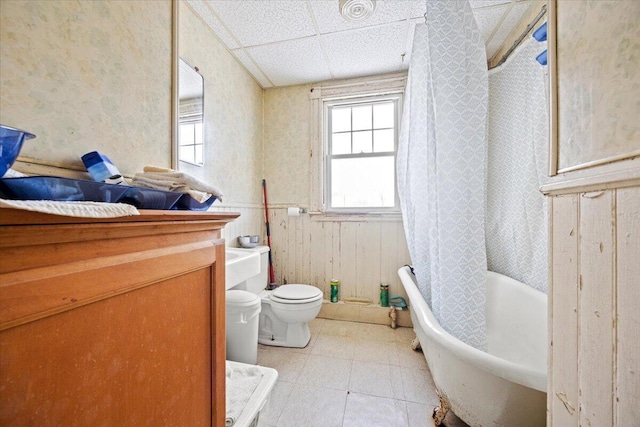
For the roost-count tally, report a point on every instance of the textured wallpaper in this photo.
(598, 79)
(287, 144)
(88, 75)
(516, 217)
(232, 110)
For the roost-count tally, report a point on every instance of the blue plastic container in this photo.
(188, 203)
(147, 198)
(60, 189)
(99, 166)
(542, 58)
(541, 33)
(11, 140)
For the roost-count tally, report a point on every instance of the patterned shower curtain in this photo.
(441, 167)
(518, 121)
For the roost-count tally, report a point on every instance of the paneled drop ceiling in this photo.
(289, 42)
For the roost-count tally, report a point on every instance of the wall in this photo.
(233, 125)
(594, 323)
(314, 248)
(88, 75)
(96, 75)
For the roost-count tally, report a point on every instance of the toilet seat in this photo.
(296, 294)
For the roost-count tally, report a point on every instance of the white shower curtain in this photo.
(441, 167)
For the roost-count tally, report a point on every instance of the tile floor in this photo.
(351, 374)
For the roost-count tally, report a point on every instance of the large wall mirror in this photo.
(190, 114)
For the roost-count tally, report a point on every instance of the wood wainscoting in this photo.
(594, 376)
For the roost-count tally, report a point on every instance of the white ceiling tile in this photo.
(508, 24)
(281, 47)
(251, 66)
(487, 19)
(292, 62)
(205, 13)
(267, 21)
(366, 51)
(329, 19)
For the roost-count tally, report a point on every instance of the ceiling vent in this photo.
(357, 10)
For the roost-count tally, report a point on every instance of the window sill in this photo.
(355, 216)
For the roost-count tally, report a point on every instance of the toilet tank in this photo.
(257, 284)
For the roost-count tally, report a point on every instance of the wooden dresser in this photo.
(112, 322)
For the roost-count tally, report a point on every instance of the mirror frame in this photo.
(175, 67)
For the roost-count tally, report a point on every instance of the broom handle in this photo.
(272, 278)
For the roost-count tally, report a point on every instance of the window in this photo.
(190, 115)
(361, 140)
(191, 142)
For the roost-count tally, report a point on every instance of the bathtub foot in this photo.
(415, 344)
(440, 412)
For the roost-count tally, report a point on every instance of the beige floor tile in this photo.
(329, 372)
(371, 331)
(418, 386)
(376, 379)
(340, 327)
(372, 411)
(334, 346)
(404, 335)
(406, 357)
(374, 351)
(389, 383)
(419, 414)
(289, 365)
(277, 400)
(310, 406)
(316, 325)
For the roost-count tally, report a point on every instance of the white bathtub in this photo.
(505, 386)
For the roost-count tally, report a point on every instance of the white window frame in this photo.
(192, 114)
(346, 91)
(328, 105)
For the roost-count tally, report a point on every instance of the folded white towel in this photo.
(171, 180)
(76, 209)
(241, 383)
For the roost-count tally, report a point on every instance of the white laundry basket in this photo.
(243, 308)
(260, 397)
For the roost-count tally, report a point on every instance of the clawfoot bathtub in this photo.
(505, 386)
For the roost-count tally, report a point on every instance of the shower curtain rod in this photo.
(516, 43)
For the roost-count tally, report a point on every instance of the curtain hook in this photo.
(425, 18)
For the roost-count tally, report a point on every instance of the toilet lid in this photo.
(237, 299)
(296, 293)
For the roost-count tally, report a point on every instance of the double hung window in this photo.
(361, 140)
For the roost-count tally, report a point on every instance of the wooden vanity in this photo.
(112, 322)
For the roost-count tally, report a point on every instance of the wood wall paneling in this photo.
(595, 321)
(627, 375)
(596, 345)
(360, 254)
(563, 353)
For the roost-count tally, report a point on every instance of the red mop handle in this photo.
(272, 276)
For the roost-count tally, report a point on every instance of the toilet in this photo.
(286, 311)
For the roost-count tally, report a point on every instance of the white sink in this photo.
(240, 265)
